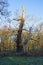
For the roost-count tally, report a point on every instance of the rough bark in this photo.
(19, 41)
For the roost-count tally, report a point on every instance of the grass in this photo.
(21, 60)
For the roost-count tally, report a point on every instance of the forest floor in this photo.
(21, 60)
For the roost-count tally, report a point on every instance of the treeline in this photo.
(32, 41)
(23, 40)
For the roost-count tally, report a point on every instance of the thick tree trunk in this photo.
(19, 41)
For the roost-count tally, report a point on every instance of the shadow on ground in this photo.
(21, 60)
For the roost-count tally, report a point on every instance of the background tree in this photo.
(3, 7)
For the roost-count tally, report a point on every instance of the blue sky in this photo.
(32, 7)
